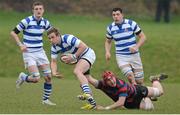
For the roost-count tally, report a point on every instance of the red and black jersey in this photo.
(121, 89)
(133, 93)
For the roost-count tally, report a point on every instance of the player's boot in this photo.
(158, 77)
(89, 98)
(84, 96)
(20, 80)
(48, 102)
(88, 107)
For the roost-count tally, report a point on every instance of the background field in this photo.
(161, 53)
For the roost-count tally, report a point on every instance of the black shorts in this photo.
(134, 102)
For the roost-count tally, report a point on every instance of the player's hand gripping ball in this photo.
(68, 58)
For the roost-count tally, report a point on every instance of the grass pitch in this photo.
(27, 99)
(159, 54)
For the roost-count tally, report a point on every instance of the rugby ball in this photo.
(63, 57)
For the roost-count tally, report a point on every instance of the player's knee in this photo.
(140, 81)
(35, 77)
(47, 72)
(148, 105)
(77, 72)
(127, 71)
(157, 92)
(130, 78)
(139, 75)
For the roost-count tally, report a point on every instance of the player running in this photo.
(124, 33)
(76, 50)
(34, 55)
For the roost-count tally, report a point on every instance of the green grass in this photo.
(161, 53)
(27, 99)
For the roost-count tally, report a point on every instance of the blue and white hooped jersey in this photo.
(69, 44)
(33, 32)
(123, 35)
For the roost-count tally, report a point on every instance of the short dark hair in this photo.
(53, 30)
(37, 3)
(117, 9)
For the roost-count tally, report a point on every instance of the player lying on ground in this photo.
(126, 95)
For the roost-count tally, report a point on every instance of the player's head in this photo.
(109, 78)
(54, 35)
(38, 9)
(117, 15)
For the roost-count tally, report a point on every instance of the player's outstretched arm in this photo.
(117, 104)
(92, 81)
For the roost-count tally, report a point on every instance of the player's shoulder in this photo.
(67, 36)
(129, 21)
(27, 19)
(111, 25)
(45, 20)
(30, 18)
